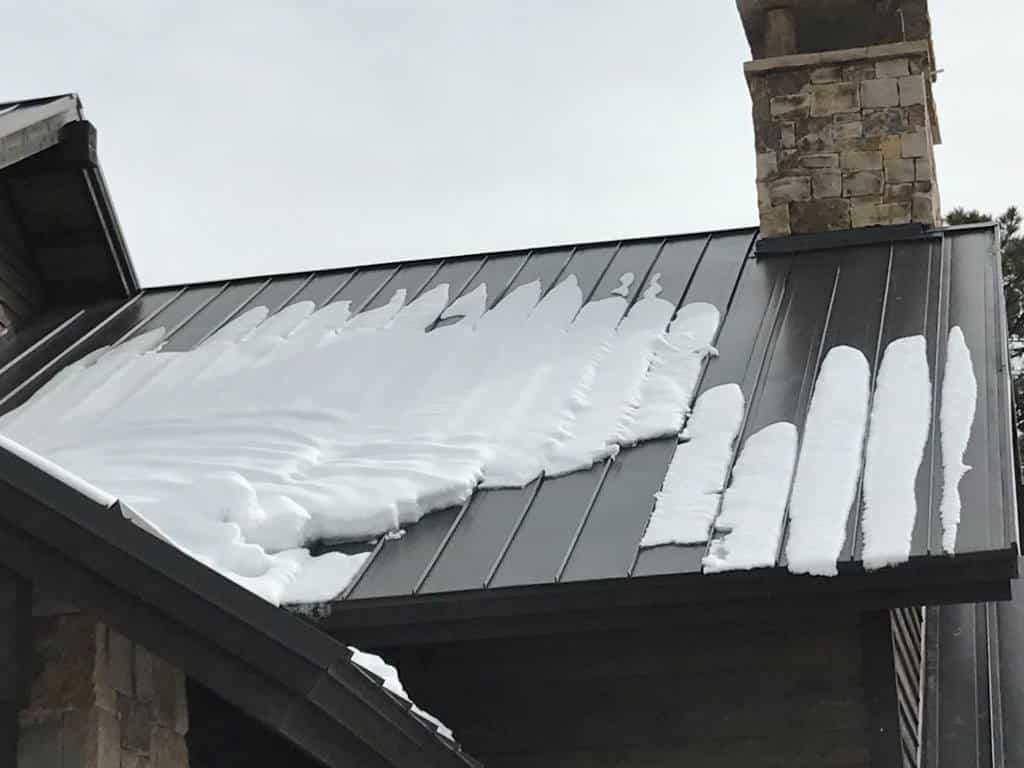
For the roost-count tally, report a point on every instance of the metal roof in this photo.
(570, 544)
(74, 544)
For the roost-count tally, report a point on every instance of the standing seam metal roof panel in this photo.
(780, 314)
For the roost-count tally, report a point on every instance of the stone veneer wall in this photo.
(844, 139)
(100, 701)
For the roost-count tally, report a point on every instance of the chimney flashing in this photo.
(824, 58)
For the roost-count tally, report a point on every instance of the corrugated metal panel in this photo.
(908, 635)
(779, 316)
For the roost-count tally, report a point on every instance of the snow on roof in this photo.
(289, 424)
(260, 441)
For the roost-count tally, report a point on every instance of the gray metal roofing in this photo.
(780, 313)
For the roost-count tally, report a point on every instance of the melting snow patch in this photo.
(668, 386)
(754, 505)
(687, 503)
(900, 417)
(625, 281)
(829, 465)
(283, 429)
(653, 290)
(956, 417)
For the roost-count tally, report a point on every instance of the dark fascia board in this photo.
(688, 598)
(73, 541)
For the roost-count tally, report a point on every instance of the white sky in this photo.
(248, 138)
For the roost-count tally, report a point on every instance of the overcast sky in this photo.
(249, 138)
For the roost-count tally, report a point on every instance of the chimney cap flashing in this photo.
(820, 241)
(887, 51)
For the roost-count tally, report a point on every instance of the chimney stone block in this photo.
(848, 126)
(898, 171)
(898, 193)
(923, 207)
(917, 116)
(767, 165)
(795, 105)
(790, 189)
(923, 169)
(885, 121)
(824, 160)
(915, 144)
(861, 161)
(829, 74)
(892, 148)
(911, 90)
(775, 221)
(860, 183)
(829, 215)
(834, 98)
(859, 72)
(876, 214)
(814, 134)
(787, 135)
(892, 68)
(880, 93)
(826, 183)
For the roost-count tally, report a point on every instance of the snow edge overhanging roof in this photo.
(72, 542)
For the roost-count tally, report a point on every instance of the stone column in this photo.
(844, 139)
(97, 700)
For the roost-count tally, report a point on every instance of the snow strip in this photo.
(687, 503)
(829, 464)
(625, 281)
(956, 417)
(669, 384)
(639, 382)
(900, 418)
(389, 675)
(754, 506)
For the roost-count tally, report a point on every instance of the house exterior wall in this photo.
(810, 692)
(98, 700)
(20, 288)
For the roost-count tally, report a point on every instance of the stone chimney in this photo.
(844, 120)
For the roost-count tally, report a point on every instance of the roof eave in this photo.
(273, 666)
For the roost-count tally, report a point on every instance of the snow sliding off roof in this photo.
(557, 393)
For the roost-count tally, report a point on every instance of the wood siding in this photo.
(20, 289)
(789, 694)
